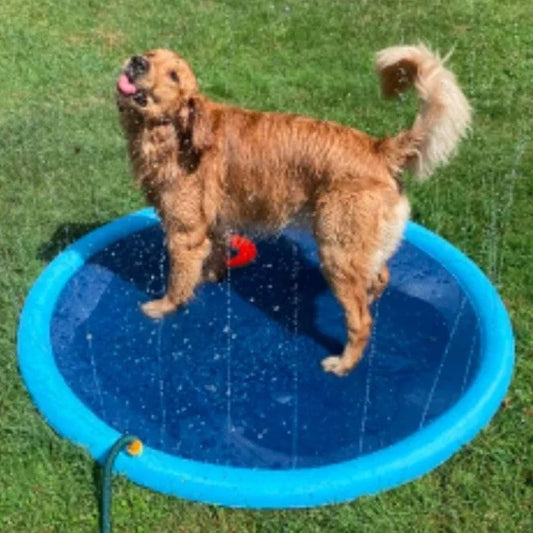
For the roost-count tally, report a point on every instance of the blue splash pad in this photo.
(228, 395)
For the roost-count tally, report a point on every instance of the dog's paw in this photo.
(335, 365)
(158, 308)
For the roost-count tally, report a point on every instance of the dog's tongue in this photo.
(125, 86)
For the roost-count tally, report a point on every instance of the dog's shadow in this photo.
(64, 235)
(285, 285)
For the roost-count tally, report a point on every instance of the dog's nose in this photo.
(138, 66)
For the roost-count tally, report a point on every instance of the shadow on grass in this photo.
(64, 235)
(97, 475)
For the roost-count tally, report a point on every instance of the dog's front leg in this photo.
(215, 266)
(187, 252)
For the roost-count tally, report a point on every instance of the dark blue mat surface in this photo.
(234, 378)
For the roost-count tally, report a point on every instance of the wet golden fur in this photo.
(210, 168)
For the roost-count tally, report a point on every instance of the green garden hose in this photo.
(134, 447)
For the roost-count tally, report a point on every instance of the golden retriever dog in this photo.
(210, 168)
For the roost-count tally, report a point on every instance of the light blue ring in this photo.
(261, 488)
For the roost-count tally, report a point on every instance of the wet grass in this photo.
(63, 169)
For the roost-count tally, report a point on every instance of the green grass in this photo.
(63, 169)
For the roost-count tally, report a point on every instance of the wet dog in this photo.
(209, 168)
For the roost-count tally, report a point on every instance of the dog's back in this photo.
(278, 164)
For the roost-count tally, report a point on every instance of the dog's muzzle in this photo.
(137, 67)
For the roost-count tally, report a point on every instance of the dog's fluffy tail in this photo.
(444, 114)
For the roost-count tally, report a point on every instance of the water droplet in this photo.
(262, 434)
(283, 399)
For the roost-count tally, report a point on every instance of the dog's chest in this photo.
(154, 155)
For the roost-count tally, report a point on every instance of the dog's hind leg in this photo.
(392, 228)
(357, 232)
(378, 284)
(349, 281)
(346, 229)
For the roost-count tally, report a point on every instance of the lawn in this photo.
(63, 171)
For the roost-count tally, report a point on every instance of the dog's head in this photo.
(155, 86)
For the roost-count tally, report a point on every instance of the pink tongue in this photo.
(125, 86)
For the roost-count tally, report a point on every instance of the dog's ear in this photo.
(195, 134)
(194, 124)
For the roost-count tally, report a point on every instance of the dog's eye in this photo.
(173, 75)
